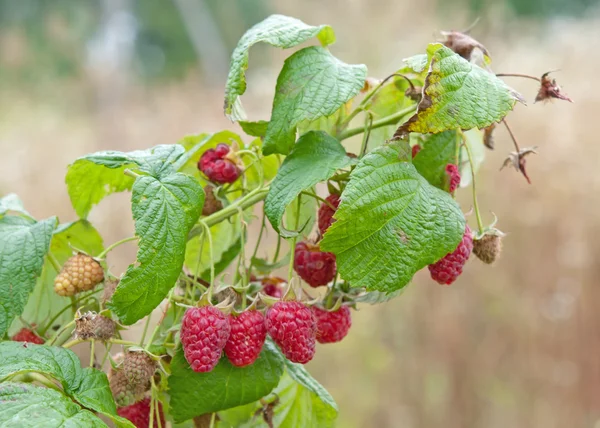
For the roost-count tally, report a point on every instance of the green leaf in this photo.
(331, 124)
(458, 95)
(23, 246)
(376, 297)
(164, 211)
(226, 386)
(255, 129)
(302, 402)
(28, 406)
(417, 63)
(11, 202)
(89, 387)
(474, 138)
(93, 177)
(277, 30)
(304, 218)
(44, 303)
(315, 157)
(264, 266)
(312, 84)
(438, 150)
(391, 222)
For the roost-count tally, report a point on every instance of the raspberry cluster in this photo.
(139, 414)
(80, 273)
(453, 177)
(446, 270)
(326, 212)
(27, 335)
(217, 167)
(314, 266)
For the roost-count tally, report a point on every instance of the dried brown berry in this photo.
(488, 137)
(488, 248)
(549, 89)
(94, 326)
(462, 44)
(80, 273)
(211, 203)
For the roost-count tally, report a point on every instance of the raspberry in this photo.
(214, 164)
(138, 368)
(211, 203)
(453, 177)
(80, 273)
(93, 326)
(415, 150)
(273, 286)
(326, 212)
(314, 266)
(332, 326)
(488, 248)
(125, 392)
(204, 332)
(139, 414)
(27, 335)
(248, 333)
(446, 270)
(293, 327)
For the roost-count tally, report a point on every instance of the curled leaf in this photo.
(518, 161)
(462, 44)
(549, 89)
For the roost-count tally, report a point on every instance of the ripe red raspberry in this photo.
(326, 212)
(415, 150)
(214, 164)
(332, 326)
(80, 273)
(453, 177)
(314, 266)
(204, 332)
(139, 414)
(273, 286)
(248, 333)
(26, 335)
(446, 270)
(293, 327)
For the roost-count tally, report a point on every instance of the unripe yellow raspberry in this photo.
(80, 273)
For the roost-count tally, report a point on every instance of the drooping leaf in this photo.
(331, 124)
(11, 202)
(89, 387)
(26, 405)
(458, 95)
(92, 177)
(438, 150)
(255, 129)
(391, 222)
(23, 246)
(277, 30)
(226, 386)
(312, 84)
(315, 157)
(44, 303)
(164, 211)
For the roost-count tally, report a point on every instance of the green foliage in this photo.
(23, 247)
(227, 386)
(458, 94)
(391, 222)
(26, 405)
(277, 30)
(88, 387)
(255, 129)
(316, 157)
(11, 202)
(164, 210)
(312, 84)
(438, 150)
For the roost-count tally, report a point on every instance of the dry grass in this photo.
(513, 345)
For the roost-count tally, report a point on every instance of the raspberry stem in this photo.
(388, 120)
(146, 324)
(92, 352)
(115, 245)
(473, 186)
(526, 76)
(55, 264)
(366, 135)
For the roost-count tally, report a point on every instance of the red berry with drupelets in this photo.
(446, 270)
(204, 333)
(293, 327)
(314, 266)
(217, 167)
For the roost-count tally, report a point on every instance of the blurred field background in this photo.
(513, 345)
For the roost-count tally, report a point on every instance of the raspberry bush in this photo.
(356, 179)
